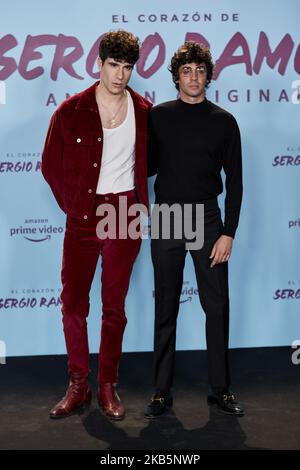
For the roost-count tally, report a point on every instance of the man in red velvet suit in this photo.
(95, 152)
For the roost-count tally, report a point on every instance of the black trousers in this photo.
(168, 257)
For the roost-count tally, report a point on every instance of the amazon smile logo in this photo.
(187, 293)
(48, 237)
(36, 230)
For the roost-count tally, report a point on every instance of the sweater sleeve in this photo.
(232, 164)
(52, 159)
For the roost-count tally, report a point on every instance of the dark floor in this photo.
(265, 380)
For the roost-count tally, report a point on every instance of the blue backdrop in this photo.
(47, 52)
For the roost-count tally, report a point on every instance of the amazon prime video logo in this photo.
(36, 230)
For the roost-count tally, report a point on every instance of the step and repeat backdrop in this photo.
(48, 52)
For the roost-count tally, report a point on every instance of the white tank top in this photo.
(118, 155)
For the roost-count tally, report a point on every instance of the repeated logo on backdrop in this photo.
(35, 230)
(20, 162)
(188, 293)
(291, 292)
(31, 298)
(289, 158)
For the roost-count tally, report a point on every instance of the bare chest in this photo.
(111, 118)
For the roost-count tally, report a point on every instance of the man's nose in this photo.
(120, 74)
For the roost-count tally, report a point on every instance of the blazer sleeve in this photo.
(52, 159)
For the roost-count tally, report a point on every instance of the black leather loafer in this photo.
(160, 403)
(226, 402)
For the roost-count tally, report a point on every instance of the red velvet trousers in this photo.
(81, 251)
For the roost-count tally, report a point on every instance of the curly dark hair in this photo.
(191, 52)
(119, 45)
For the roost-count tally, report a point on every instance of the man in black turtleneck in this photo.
(191, 141)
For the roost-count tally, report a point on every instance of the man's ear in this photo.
(99, 63)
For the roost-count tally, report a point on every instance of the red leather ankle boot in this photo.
(109, 401)
(77, 396)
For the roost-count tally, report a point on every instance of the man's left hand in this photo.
(221, 250)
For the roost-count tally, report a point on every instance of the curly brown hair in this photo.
(119, 45)
(191, 52)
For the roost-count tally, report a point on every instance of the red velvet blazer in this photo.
(71, 159)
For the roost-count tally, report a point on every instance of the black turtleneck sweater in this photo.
(189, 145)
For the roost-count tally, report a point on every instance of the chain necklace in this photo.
(113, 119)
